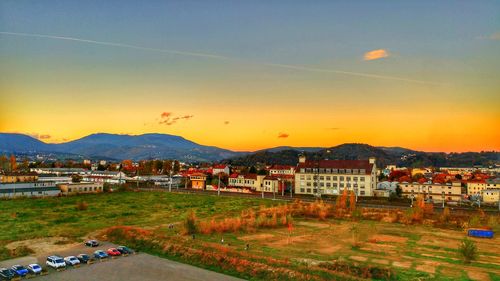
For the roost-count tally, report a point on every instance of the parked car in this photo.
(84, 258)
(56, 262)
(7, 274)
(20, 270)
(34, 268)
(113, 252)
(125, 250)
(71, 260)
(92, 243)
(100, 254)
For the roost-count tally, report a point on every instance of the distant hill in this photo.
(385, 155)
(119, 147)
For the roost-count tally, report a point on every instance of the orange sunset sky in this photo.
(420, 75)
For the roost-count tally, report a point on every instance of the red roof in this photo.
(247, 176)
(219, 166)
(338, 164)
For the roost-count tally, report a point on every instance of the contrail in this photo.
(221, 57)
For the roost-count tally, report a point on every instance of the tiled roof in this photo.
(338, 164)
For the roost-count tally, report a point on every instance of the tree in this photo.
(458, 177)
(399, 191)
(13, 163)
(177, 166)
(76, 178)
(262, 172)
(252, 170)
(468, 250)
(190, 223)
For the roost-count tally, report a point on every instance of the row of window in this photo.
(334, 178)
(78, 189)
(334, 184)
(332, 171)
(314, 190)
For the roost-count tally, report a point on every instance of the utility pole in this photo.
(442, 197)
(274, 191)
(280, 184)
(218, 186)
(170, 181)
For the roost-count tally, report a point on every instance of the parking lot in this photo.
(139, 266)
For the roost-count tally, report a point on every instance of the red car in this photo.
(113, 252)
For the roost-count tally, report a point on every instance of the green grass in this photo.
(49, 217)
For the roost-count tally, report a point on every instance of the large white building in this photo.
(331, 177)
(28, 189)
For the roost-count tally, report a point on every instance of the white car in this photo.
(72, 260)
(34, 268)
(55, 262)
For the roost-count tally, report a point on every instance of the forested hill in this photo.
(385, 155)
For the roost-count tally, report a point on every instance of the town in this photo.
(450, 186)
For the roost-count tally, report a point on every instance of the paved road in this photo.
(140, 267)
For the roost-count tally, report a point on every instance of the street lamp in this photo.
(274, 191)
(280, 184)
(356, 192)
(412, 196)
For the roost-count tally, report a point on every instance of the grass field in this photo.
(23, 219)
(412, 251)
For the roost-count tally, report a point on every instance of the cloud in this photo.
(376, 54)
(283, 135)
(333, 128)
(494, 36)
(165, 114)
(43, 137)
(168, 119)
(226, 122)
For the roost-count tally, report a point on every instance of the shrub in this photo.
(82, 206)
(190, 226)
(468, 250)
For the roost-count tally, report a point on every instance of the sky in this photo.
(248, 75)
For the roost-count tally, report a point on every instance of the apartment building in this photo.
(433, 191)
(490, 196)
(475, 187)
(331, 177)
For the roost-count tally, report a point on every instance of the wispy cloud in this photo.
(226, 122)
(221, 57)
(376, 54)
(333, 128)
(283, 135)
(167, 118)
(44, 137)
(494, 36)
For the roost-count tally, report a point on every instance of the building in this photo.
(28, 189)
(113, 177)
(198, 180)
(387, 185)
(221, 168)
(59, 171)
(251, 181)
(80, 187)
(475, 187)
(331, 177)
(433, 191)
(18, 177)
(282, 171)
(57, 180)
(273, 184)
(490, 196)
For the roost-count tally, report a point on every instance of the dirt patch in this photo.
(253, 237)
(383, 238)
(380, 261)
(403, 264)
(428, 266)
(329, 250)
(313, 224)
(358, 258)
(451, 272)
(290, 240)
(44, 245)
(478, 275)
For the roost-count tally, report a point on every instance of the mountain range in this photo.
(164, 146)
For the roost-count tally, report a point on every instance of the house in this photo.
(251, 181)
(490, 196)
(198, 180)
(81, 187)
(273, 184)
(220, 168)
(333, 176)
(28, 189)
(434, 191)
(18, 177)
(283, 171)
(387, 185)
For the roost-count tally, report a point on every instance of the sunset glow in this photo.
(255, 77)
